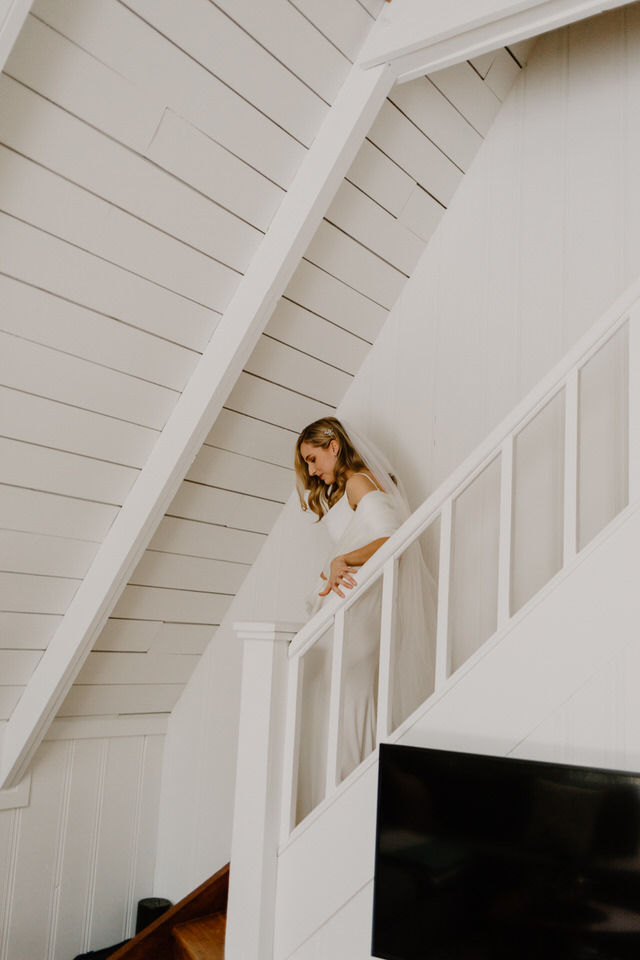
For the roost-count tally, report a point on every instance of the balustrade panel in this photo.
(359, 686)
(474, 564)
(538, 499)
(603, 489)
(313, 713)
(413, 640)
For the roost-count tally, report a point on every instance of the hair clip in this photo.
(329, 433)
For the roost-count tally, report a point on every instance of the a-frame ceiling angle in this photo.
(292, 228)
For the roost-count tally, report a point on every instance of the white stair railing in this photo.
(588, 402)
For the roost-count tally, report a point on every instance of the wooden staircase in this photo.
(193, 929)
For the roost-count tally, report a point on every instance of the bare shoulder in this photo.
(357, 486)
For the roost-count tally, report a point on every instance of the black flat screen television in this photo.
(486, 858)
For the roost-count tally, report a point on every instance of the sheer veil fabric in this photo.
(379, 514)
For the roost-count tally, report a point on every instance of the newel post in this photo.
(256, 817)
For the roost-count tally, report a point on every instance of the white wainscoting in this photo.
(75, 861)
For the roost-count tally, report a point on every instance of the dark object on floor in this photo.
(101, 954)
(149, 910)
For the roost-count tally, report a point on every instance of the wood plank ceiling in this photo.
(144, 149)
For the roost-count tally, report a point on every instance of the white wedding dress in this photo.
(413, 650)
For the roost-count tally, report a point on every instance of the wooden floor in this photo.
(201, 939)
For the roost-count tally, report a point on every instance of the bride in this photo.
(348, 484)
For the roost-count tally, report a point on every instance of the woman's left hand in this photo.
(340, 576)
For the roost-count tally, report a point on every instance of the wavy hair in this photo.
(314, 494)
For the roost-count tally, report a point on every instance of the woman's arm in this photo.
(342, 568)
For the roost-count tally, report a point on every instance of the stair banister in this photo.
(564, 377)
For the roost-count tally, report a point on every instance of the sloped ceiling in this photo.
(145, 147)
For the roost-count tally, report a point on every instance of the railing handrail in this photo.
(464, 474)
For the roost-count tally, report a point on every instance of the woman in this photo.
(347, 483)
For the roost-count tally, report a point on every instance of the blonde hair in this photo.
(314, 494)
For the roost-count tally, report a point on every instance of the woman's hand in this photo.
(340, 576)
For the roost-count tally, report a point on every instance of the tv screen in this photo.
(487, 858)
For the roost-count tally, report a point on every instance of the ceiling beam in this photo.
(13, 14)
(280, 251)
(416, 38)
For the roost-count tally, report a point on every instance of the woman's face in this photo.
(320, 461)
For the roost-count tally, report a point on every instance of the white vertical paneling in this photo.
(88, 801)
(34, 881)
(76, 884)
(541, 198)
(116, 843)
(597, 104)
(146, 825)
(9, 835)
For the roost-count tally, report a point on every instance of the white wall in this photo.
(200, 752)
(76, 860)
(542, 236)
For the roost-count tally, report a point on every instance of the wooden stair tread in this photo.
(201, 938)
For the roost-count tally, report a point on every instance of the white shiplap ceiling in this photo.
(145, 148)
